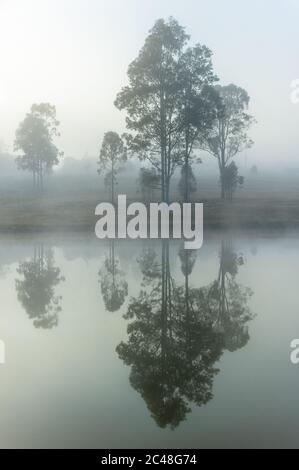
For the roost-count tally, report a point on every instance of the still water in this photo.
(134, 344)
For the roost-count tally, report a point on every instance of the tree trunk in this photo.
(187, 138)
(163, 144)
(186, 182)
(222, 184)
(112, 183)
(41, 180)
(162, 175)
(167, 188)
(222, 171)
(222, 189)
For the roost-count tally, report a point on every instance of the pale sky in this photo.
(75, 53)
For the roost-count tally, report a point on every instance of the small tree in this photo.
(34, 137)
(228, 136)
(149, 181)
(231, 180)
(36, 288)
(187, 180)
(112, 156)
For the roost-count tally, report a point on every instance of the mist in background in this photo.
(75, 55)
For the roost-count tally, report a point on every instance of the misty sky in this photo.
(75, 53)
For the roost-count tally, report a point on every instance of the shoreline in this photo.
(228, 219)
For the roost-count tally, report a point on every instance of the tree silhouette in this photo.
(114, 287)
(169, 100)
(177, 333)
(149, 182)
(36, 289)
(231, 180)
(188, 181)
(113, 154)
(228, 301)
(188, 259)
(152, 100)
(198, 101)
(228, 136)
(171, 351)
(34, 137)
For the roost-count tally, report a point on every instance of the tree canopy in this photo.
(166, 84)
(35, 138)
(113, 154)
(229, 134)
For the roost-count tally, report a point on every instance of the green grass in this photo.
(69, 204)
(56, 213)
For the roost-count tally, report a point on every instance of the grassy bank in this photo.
(75, 212)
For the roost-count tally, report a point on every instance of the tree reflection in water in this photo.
(36, 288)
(177, 333)
(114, 287)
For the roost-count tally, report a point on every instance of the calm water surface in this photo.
(133, 344)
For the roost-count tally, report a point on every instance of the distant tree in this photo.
(231, 180)
(254, 170)
(34, 137)
(152, 100)
(113, 154)
(229, 133)
(149, 182)
(188, 181)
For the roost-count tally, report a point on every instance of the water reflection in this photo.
(227, 300)
(114, 287)
(177, 333)
(36, 287)
(184, 312)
